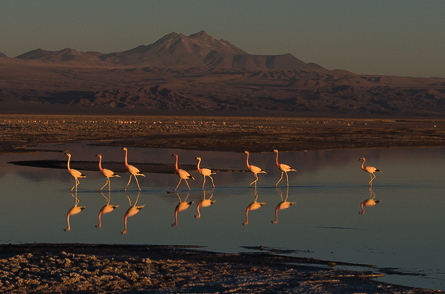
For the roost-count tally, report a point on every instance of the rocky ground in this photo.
(83, 268)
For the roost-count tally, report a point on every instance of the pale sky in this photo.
(388, 37)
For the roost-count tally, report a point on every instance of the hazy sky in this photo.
(391, 37)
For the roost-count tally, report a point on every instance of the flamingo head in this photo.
(360, 159)
(198, 158)
(247, 152)
(98, 155)
(124, 148)
(174, 155)
(67, 154)
(275, 150)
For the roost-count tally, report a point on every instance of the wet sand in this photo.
(91, 268)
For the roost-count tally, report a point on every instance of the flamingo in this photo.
(74, 173)
(107, 173)
(284, 204)
(132, 170)
(183, 175)
(182, 205)
(255, 169)
(253, 206)
(205, 172)
(107, 208)
(284, 169)
(368, 202)
(134, 209)
(204, 203)
(73, 211)
(370, 169)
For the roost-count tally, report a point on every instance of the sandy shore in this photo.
(84, 268)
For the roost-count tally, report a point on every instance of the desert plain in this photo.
(173, 268)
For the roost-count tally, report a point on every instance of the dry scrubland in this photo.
(220, 133)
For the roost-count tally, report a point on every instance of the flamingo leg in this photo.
(254, 182)
(212, 181)
(287, 179)
(128, 183)
(104, 185)
(187, 185)
(178, 183)
(280, 179)
(372, 178)
(137, 182)
(204, 181)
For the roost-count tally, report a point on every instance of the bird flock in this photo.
(205, 172)
(184, 175)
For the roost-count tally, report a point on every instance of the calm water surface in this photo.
(404, 231)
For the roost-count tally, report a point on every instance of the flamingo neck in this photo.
(199, 162)
(176, 217)
(363, 164)
(126, 163)
(276, 212)
(176, 163)
(247, 160)
(68, 164)
(100, 163)
(276, 161)
(68, 222)
(197, 209)
(125, 224)
(100, 221)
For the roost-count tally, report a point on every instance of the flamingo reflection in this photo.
(368, 202)
(134, 209)
(182, 205)
(284, 204)
(253, 206)
(107, 208)
(73, 211)
(204, 203)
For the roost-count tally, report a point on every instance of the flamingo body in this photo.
(205, 172)
(252, 206)
(74, 173)
(254, 169)
(107, 173)
(284, 169)
(132, 170)
(130, 212)
(183, 175)
(369, 169)
(105, 209)
(182, 205)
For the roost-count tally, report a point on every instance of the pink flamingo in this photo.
(132, 170)
(284, 169)
(107, 173)
(369, 169)
(205, 172)
(183, 175)
(74, 173)
(254, 169)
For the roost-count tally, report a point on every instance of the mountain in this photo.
(2, 54)
(180, 51)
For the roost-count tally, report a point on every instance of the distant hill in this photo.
(201, 74)
(177, 50)
(2, 54)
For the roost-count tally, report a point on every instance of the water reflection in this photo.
(74, 173)
(368, 202)
(253, 206)
(205, 172)
(182, 205)
(284, 204)
(134, 209)
(73, 211)
(132, 170)
(254, 169)
(204, 202)
(284, 168)
(107, 208)
(107, 173)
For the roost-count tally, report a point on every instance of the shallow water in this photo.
(403, 231)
